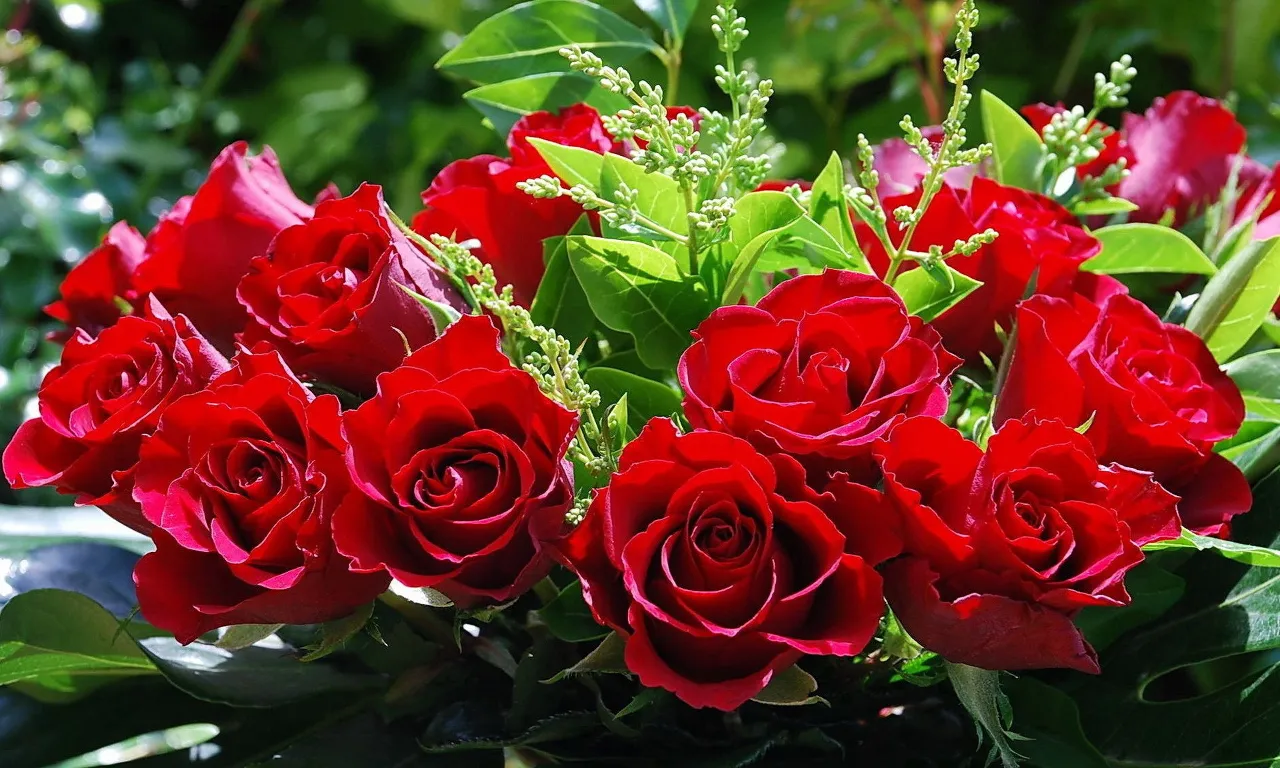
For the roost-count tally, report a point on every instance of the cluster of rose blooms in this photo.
(195, 403)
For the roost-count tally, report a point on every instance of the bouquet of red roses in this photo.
(617, 446)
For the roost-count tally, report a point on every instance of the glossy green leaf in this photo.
(640, 290)
(1258, 376)
(61, 645)
(790, 687)
(245, 635)
(1050, 723)
(606, 658)
(827, 204)
(1018, 150)
(560, 303)
(1136, 248)
(645, 398)
(1152, 589)
(1108, 206)
(335, 634)
(759, 217)
(672, 15)
(1238, 298)
(1263, 557)
(979, 692)
(507, 101)
(569, 618)
(525, 39)
(573, 165)
(926, 297)
(657, 198)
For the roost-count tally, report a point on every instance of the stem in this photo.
(546, 590)
(690, 205)
(674, 60)
(221, 68)
(1071, 61)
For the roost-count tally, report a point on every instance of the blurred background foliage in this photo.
(112, 109)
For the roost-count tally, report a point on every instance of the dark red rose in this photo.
(197, 254)
(1114, 146)
(98, 290)
(1260, 198)
(477, 199)
(101, 400)
(1184, 147)
(328, 293)
(1036, 236)
(463, 458)
(902, 170)
(820, 368)
(241, 482)
(1158, 400)
(718, 567)
(1005, 547)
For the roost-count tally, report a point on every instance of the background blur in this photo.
(112, 109)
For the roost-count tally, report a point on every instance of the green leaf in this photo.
(1049, 720)
(1136, 248)
(827, 204)
(657, 198)
(1152, 589)
(926, 298)
(1238, 298)
(672, 15)
(1108, 206)
(979, 692)
(569, 618)
(62, 645)
(504, 103)
(640, 290)
(245, 635)
(526, 39)
(645, 398)
(759, 217)
(607, 658)
(250, 677)
(1263, 557)
(560, 303)
(574, 165)
(442, 315)
(334, 634)
(1018, 150)
(1258, 376)
(790, 687)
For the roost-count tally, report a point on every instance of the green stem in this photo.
(690, 205)
(546, 590)
(221, 68)
(675, 57)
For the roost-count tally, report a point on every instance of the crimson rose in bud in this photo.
(819, 368)
(463, 459)
(1157, 399)
(1114, 146)
(328, 293)
(477, 198)
(101, 400)
(241, 482)
(1036, 237)
(198, 252)
(1004, 548)
(99, 290)
(719, 567)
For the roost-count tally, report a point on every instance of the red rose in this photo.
(1004, 548)
(1157, 398)
(820, 368)
(477, 198)
(1036, 236)
(199, 251)
(901, 170)
(93, 292)
(1184, 147)
(463, 458)
(718, 567)
(101, 400)
(241, 482)
(1114, 146)
(328, 293)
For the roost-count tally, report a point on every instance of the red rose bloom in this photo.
(1036, 237)
(477, 198)
(1183, 148)
(101, 400)
(241, 482)
(718, 568)
(1004, 548)
(463, 458)
(91, 294)
(901, 170)
(199, 251)
(820, 368)
(328, 293)
(1157, 398)
(1114, 146)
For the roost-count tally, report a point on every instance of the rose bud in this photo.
(1006, 547)
(329, 293)
(101, 400)
(242, 481)
(720, 568)
(99, 290)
